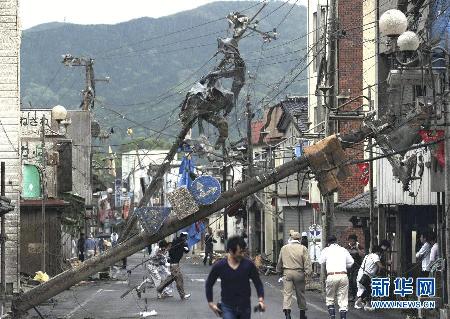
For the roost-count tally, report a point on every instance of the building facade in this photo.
(349, 89)
(10, 37)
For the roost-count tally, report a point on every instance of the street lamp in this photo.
(393, 23)
(59, 114)
(403, 44)
(408, 41)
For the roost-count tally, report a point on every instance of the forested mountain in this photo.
(151, 63)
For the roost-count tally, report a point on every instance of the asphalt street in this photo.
(102, 299)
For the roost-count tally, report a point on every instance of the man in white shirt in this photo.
(434, 252)
(337, 260)
(291, 232)
(424, 254)
(114, 238)
(370, 266)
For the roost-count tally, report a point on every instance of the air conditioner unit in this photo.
(396, 78)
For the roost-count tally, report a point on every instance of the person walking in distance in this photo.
(357, 253)
(370, 266)
(304, 240)
(114, 238)
(209, 247)
(80, 247)
(336, 260)
(235, 272)
(90, 247)
(178, 248)
(294, 263)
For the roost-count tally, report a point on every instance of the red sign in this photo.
(126, 208)
(438, 150)
(364, 173)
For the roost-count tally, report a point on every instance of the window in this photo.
(315, 39)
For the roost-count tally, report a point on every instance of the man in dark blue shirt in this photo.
(234, 272)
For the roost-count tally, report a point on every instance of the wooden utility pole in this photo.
(250, 212)
(446, 108)
(330, 105)
(373, 240)
(224, 189)
(2, 239)
(44, 193)
(87, 105)
(328, 200)
(277, 213)
(89, 90)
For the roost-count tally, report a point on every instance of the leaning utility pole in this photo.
(136, 243)
(65, 280)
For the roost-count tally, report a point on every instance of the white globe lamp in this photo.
(408, 41)
(392, 23)
(109, 190)
(59, 113)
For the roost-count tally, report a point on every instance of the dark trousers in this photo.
(352, 283)
(210, 255)
(232, 312)
(81, 256)
(367, 292)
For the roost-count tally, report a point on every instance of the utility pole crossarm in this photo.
(89, 90)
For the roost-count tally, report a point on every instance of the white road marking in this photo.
(84, 303)
(308, 303)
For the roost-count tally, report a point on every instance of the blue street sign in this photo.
(152, 218)
(298, 150)
(205, 190)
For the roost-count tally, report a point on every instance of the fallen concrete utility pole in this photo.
(136, 243)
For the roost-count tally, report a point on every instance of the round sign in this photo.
(205, 190)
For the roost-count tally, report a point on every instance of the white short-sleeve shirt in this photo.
(369, 266)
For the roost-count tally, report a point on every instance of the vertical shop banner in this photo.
(117, 192)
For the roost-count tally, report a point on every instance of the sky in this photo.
(34, 12)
